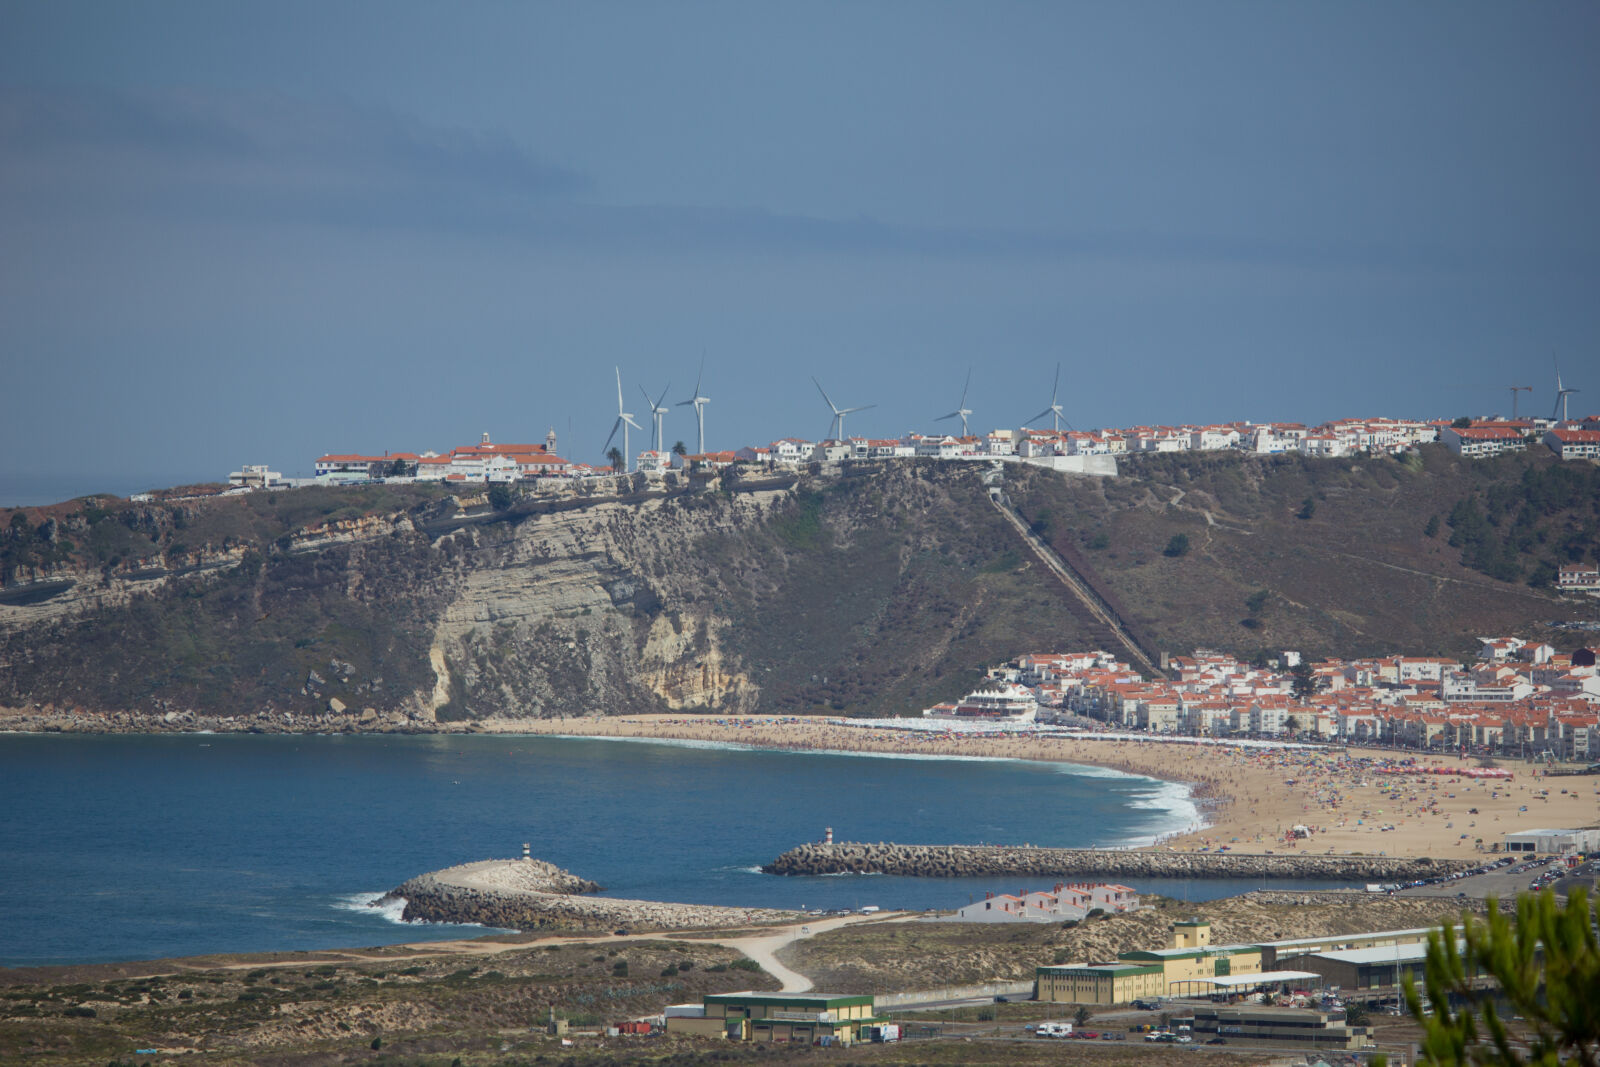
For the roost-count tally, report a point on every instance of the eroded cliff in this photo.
(880, 590)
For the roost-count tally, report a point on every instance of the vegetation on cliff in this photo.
(1366, 570)
(880, 589)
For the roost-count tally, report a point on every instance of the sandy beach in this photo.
(1250, 798)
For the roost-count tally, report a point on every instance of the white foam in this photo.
(390, 910)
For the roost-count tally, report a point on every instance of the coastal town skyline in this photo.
(227, 239)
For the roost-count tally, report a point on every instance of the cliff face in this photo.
(590, 611)
(884, 590)
(878, 589)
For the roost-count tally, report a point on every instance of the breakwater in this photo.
(529, 894)
(965, 861)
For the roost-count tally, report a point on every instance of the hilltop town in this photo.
(1079, 451)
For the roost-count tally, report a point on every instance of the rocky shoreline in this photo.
(962, 861)
(345, 721)
(529, 894)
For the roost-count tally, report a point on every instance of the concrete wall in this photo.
(988, 989)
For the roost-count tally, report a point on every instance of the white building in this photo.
(1554, 842)
(254, 476)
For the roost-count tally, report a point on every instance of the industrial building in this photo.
(797, 1018)
(1303, 1027)
(1192, 965)
(1381, 969)
(1100, 983)
(1274, 953)
(1554, 842)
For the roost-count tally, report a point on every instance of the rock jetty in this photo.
(529, 894)
(961, 861)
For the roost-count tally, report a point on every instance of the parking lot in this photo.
(1510, 876)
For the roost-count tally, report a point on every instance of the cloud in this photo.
(262, 156)
(225, 159)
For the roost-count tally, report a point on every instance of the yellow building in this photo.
(1191, 966)
(1100, 983)
(805, 1018)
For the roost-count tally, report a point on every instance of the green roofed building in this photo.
(1100, 983)
(1192, 965)
(800, 1018)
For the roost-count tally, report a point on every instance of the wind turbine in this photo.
(836, 427)
(1561, 395)
(1515, 389)
(962, 411)
(657, 412)
(624, 420)
(1054, 410)
(699, 403)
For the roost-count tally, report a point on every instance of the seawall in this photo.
(961, 861)
(533, 895)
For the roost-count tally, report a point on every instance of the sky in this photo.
(258, 232)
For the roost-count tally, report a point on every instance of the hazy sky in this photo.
(255, 232)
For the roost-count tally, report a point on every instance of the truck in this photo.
(883, 1032)
(1053, 1030)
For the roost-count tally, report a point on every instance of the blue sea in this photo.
(137, 847)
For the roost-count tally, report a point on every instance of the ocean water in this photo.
(128, 847)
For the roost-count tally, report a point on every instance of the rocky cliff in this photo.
(875, 588)
(884, 589)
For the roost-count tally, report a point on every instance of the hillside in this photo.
(1334, 556)
(877, 590)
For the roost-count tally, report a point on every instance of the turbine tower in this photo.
(1515, 389)
(836, 427)
(962, 411)
(624, 420)
(1561, 396)
(657, 412)
(1054, 410)
(699, 403)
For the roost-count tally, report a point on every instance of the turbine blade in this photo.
(952, 415)
(619, 389)
(628, 418)
(1042, 414)
(964, 389)
(825, 396)
(615, 426)
(684, 403)
(646, 397)
(662, 397)
(863, 407)
(1054, 388)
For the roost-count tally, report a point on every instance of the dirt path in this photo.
(763, 949)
